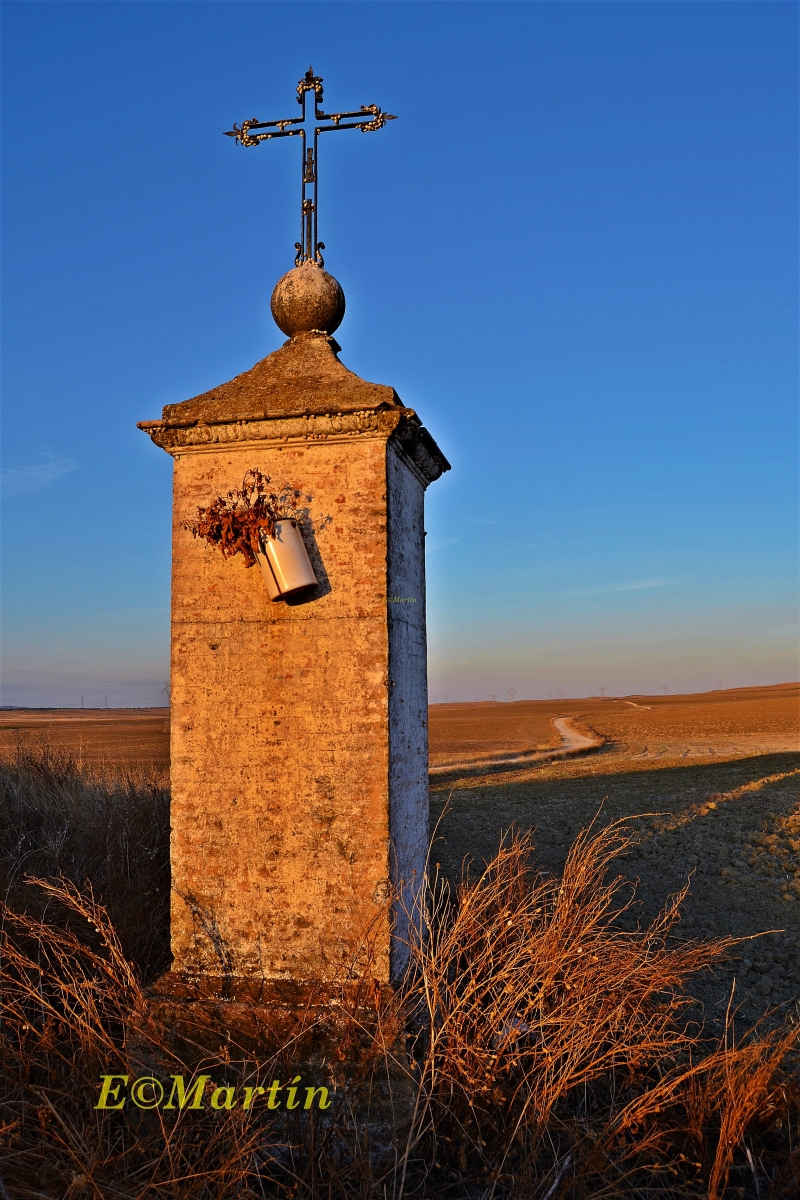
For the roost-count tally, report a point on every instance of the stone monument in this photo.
(299, 763)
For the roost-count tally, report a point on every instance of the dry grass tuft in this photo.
(550, 1050)
(556, 1048)
(71, 1013)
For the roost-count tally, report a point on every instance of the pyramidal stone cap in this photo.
(303, 385)
(307, 300)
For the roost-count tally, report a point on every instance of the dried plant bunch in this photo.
(239, 522)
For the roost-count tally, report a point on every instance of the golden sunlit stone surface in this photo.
(299, 729)
(306, 299)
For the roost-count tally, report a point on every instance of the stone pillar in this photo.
(299, 759)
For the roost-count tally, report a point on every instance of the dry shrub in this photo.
(70, 1014)
(555, 1050)
(550, 1054)
(736, 1090)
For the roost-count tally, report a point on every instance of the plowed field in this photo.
(721, 770)
(113, 737)
(712, 724)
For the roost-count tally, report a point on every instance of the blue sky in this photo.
(575, 254)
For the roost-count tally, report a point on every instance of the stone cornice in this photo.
(179, 435)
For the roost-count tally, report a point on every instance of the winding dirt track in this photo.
(572, 742)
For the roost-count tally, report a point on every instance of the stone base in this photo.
(261, 1016)
(351, 1039)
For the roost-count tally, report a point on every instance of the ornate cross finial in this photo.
(368, 118)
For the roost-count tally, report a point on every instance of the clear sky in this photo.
(574, 254)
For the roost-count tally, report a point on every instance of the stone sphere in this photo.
(307, 298)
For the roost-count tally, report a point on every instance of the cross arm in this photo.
(244, 137)
(370, 118)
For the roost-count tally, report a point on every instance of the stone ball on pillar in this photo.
(307, 299)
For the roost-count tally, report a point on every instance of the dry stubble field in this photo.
(718, 771)
(112, 737)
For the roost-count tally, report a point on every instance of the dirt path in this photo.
(572, 742)
(572, 739)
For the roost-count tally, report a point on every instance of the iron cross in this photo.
(367, 119)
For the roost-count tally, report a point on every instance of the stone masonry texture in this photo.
(299, 728)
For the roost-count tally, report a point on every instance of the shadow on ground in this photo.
(732, 828)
